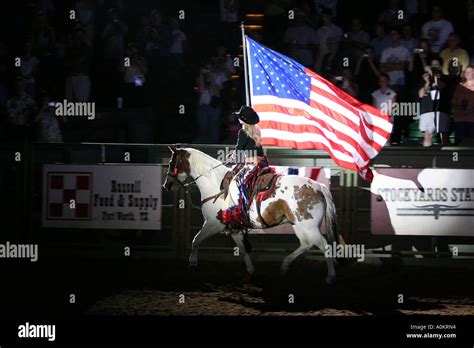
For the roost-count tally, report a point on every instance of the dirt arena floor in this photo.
(158, 288)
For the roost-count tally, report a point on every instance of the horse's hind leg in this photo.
(207, 230)
(320, 242)
(305, 245)
(238, 238)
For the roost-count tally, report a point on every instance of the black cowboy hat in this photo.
(247, 115)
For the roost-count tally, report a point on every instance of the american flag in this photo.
(299, 109)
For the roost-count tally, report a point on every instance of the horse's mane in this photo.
(202, 163)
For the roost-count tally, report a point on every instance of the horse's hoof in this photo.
(248, 277)
(330, 280)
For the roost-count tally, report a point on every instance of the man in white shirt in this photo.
(329, 36)
(437, 30)
(394, 60)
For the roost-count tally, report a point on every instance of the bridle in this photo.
(185, 184)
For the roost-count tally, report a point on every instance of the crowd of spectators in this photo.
(105, 52)
(408, 57)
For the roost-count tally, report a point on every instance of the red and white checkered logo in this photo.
(64, 187)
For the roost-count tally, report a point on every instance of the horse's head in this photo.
(178, 168)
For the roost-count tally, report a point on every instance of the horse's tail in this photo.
(331, 224)
(330, 216)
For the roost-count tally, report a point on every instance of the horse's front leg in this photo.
(207, 230)
(238, 238)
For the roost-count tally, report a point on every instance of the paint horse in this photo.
(295, 200)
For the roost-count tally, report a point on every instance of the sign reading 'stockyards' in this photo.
(432, 202)
(102, 196)
(10, 250)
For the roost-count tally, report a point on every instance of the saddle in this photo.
(265, 187)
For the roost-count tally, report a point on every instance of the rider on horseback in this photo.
(248, 145)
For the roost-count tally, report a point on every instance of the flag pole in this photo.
(244, 47)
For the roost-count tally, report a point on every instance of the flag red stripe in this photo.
(308, 145)
(350, 108)
(265, 124)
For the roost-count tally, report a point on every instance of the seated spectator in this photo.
(394, 61)
(454, 57)
(463, 103)
(435, 104)
(380, 42)
(78, 62)
(437, 30)
(367, 75)
(28, 69)
(329, 36)
(300, 40)
(134, 79)
(47, 128)
(22, 107)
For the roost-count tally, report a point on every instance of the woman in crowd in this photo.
(435, 104)
(463, 103)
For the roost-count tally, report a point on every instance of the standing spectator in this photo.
(381, 41)
(463, 102)
(178, 44)
(28, 69)
(435, 104)
(46, 123)
(384, 96)
(384, 99)
(394, 16)
(229, 10)
(454, 57)
(329, 36)
(394, 61)
(274, 20)
(22, 107)
(86, 13)
(321, 5)
(208, 112)
(347, 83)
(357, 34)
(437, 30)
(43, 35)
(420, 60)
(367, 75)
(300, 40)
(134, 79)
(44, 44)
(78, 62)
(113, 37)
(357, 40)
(408, 41)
